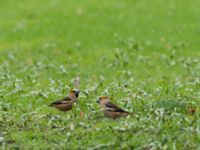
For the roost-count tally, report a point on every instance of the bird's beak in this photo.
(98, 101)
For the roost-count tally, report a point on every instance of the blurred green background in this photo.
(143, 54)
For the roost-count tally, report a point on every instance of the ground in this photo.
(143, 54)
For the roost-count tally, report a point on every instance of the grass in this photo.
(144, 55)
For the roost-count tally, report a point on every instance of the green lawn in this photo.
(144, 55)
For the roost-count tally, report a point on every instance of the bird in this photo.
(66, 103)
(110, 110)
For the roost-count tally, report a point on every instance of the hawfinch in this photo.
(66, 103)
(110, 110)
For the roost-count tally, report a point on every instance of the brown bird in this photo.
(111, 110)
(66, 103)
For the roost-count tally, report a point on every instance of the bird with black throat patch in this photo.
(66, 103)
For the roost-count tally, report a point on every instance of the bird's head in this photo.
(101, 99)
(74, 92)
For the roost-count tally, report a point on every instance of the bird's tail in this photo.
(128, 113)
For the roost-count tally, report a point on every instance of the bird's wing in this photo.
(63, 101)
(113, 107)
(66, 99)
